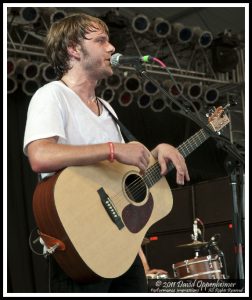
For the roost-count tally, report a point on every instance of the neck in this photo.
(82, 86)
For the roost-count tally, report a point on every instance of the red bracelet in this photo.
(111, 152)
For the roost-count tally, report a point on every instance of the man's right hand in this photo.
(133, 153)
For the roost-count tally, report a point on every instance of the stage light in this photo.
(31, 70)
(29, 14)
(158, 104)
(48, 73)
(28, 69)
(149, 88)
(11, 66)
(132, 84)
(211, 95)
(30, 86)
(193, 90)
(162, 28)
(140, 23)
(175, 90)
(144, 101)
(114, 81)
(203, 38)
(125, 98)
(11, 85)
(174, 107)
(57, 15)
(108, 94)
(184, 34)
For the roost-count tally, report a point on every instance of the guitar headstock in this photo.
(218, 119)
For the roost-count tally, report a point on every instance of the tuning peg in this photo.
(210, 111)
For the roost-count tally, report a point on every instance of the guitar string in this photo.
(185, 148)
(152, 175)
(137, 187)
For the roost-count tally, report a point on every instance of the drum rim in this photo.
(199, 274)
(216, 258)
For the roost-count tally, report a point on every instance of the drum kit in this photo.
(211, 266)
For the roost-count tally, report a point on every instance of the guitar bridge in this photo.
(110, 209)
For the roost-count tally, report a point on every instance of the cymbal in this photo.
(194, 244)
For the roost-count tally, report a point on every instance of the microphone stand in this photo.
(230, 149)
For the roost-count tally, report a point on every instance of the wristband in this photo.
(111, 152)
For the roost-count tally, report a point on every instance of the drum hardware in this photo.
(206, 267)
(202, 267)
(194, 244)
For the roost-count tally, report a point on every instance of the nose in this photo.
(111, 48)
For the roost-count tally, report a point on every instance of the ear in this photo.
(74, 50)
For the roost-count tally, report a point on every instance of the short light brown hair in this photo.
(67, 32)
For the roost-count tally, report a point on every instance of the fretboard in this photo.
(152, 175)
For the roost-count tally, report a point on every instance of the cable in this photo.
(176, 84)
(35, 241)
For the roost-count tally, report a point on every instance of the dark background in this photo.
(207, 196)
(27, 272)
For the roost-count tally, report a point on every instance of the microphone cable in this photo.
(163, 65)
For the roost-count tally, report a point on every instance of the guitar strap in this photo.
(129, 136)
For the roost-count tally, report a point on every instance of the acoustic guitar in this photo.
(93, 219)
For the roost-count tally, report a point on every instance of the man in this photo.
(68, 126)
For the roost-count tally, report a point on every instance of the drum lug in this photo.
(174, 271)
(220, 262)
(209, 258)
(187, 268)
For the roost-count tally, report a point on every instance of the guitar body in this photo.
(98, 215)
(68, 207)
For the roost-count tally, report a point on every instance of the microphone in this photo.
(119, 59)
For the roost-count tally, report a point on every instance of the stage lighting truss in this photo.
(27, 29)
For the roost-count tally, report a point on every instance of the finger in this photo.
(163, 166)
(142, 166)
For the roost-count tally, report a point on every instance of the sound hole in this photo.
(135, 188)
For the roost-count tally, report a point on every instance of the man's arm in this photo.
(46, 155)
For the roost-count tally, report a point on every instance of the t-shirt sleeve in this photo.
(45, 117)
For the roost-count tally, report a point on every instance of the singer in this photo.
(68, 125)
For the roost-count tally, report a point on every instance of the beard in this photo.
(95, 66)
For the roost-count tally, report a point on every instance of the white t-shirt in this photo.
(56, 110)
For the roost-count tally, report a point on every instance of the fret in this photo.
(152, 175)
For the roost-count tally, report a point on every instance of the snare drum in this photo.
(205, 267)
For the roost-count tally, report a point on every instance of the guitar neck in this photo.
(153, 175)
